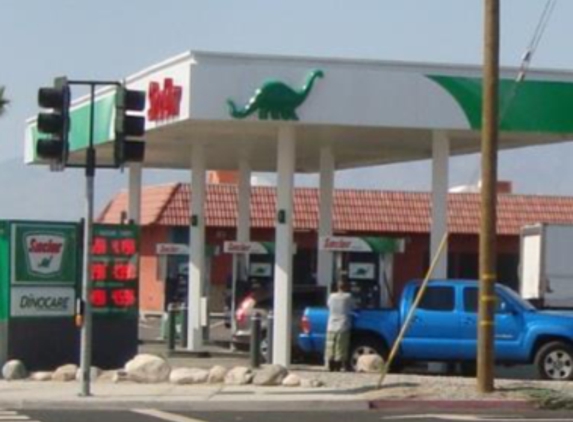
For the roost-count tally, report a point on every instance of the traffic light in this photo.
(128, 126)
(54, 124)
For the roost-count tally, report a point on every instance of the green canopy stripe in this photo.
(528, 106)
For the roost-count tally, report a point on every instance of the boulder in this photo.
(311, 383)
(95, 372)
(217, 374)
(14, 370)
(65, 373)
(119, 376)
(369, 364)
(41, 376)
(147, 368)
(291, 380)
(240, 375)
(189, 376)
(270, 375)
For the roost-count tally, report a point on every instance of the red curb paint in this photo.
(451, 404)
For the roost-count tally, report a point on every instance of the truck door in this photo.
(507, 327)
(435, 326)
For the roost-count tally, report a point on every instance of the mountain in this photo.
(35, 193)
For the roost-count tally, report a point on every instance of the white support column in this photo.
(134, 194)
(283, 246)
(243, 230)
(244, 191)
(440, 171)
(324, 274)
(197, 255)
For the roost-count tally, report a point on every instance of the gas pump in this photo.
(173, 269)
(256, 264)
(367, 262)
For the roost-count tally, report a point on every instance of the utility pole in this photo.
(487, 247)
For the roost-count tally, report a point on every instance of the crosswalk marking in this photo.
(166, 416)
(13, 416)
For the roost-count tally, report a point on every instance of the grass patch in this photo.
(548, 399)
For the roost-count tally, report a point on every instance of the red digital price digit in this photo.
(123, 298)
(116, 247)
(124, 272)
(99, 246)
(128, 247)
(98, 298)
(99, 271)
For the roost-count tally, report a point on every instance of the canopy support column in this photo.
(440, 173)
(244, 191)
(283, 252)
(324, 274)
(241, 262)
(197, 256)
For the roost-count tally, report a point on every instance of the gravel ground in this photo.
(428, 387)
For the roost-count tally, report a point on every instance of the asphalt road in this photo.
(152, 415)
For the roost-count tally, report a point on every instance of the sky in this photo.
(110, 39)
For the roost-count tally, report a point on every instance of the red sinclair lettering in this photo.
(168, 249)
(239, 247)
(50, 246)
(337, 244)
(163, 103)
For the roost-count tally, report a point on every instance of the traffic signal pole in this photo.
(86, 335)
(55, 148)
(487, 247)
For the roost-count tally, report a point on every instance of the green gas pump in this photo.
(367, 264)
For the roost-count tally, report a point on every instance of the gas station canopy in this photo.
(367, 112)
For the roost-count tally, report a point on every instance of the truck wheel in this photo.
(367, 345)
(468, 369)
(554, 361)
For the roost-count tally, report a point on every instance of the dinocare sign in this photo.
(42, 301)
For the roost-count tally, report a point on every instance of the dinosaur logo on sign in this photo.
(275, 100)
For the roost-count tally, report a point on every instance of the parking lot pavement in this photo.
(150, 330)
(219, 346)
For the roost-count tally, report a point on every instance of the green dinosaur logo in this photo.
(45, 263)
(275, 99)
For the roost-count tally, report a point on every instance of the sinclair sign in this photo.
(44, 254)
(361, 244)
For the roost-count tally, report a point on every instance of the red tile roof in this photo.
(354, 210)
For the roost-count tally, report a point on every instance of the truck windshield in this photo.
(518, 299)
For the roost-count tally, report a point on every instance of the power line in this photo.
(528, 55)
(524, 66)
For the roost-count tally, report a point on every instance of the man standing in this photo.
(340, 306)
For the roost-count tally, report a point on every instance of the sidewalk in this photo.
(342, 391)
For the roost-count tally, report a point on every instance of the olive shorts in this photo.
(337, 344)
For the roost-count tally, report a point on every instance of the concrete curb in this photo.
(201, 406)
(457, 405)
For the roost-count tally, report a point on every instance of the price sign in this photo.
(115, 269)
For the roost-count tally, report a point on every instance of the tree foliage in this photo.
(3, 101)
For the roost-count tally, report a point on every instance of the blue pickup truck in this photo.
(444, 329)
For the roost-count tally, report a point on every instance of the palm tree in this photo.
(3, 101)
